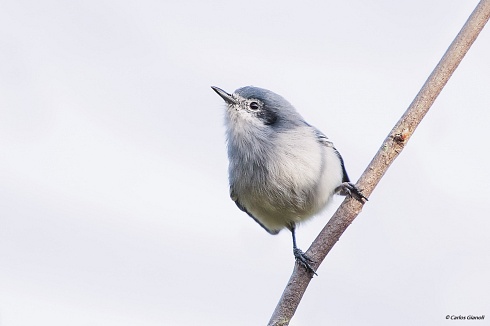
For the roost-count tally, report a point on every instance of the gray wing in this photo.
(322, 139)
(234, 197)
(352, 190)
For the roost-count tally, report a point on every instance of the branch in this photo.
(391, 147)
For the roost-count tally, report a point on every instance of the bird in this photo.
(282, 170)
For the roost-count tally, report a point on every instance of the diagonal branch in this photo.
(391, 147)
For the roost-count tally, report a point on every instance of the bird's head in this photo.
(259, 107)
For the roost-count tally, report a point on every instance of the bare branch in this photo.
(391, 147)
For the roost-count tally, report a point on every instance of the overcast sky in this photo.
(114, 205)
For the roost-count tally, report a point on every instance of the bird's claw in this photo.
(350, 189)
(303, 260)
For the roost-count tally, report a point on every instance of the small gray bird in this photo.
(282, 170)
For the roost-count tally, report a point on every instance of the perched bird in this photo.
(282, 170)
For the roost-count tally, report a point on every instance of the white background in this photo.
(114, 206)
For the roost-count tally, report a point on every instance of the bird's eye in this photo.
(254, 106)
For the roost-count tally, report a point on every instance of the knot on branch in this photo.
(399, 141)
(400, 138)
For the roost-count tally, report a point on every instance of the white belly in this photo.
(301, 179)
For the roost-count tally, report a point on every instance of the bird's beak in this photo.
(227, 97)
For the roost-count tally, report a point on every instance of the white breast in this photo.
(303, 174)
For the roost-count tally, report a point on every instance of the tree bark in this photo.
(390, 149)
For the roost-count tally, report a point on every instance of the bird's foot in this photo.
(350, 189)
(303, 260)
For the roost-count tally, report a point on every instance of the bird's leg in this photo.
(349, 189)
(301, 257)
